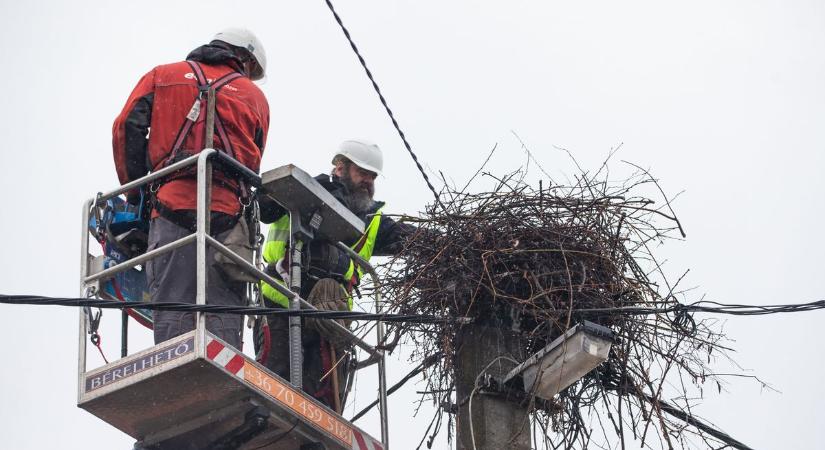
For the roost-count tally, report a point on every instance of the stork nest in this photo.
(536, 260)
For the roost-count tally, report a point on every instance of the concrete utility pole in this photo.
(496, 423)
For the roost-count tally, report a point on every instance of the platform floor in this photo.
(188, 393)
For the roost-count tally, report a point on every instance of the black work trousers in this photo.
(277, 360)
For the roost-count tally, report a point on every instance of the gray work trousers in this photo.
(172, 278)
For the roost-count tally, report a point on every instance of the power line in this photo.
(428, 361)
(383, 101)
(217, 309)
(719, 308)
(694, 421)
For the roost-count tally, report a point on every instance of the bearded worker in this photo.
(330, 275)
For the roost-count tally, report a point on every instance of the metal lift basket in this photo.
(195, 391)
(188, 392)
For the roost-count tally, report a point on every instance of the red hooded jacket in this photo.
(144, 133)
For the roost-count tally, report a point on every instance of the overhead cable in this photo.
(694, 421)
(217, 309)
(708, 307)
(703, 307)
(383, 101)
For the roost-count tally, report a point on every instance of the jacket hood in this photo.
(214, 55)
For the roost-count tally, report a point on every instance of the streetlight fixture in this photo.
(564, 361)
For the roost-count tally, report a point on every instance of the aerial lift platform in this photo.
(197, 392)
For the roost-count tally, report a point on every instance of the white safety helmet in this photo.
(362, 153)
(241, 37)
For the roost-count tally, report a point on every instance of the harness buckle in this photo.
(202, 88)
(245, 201)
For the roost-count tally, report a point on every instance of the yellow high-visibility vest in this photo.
(277, 242)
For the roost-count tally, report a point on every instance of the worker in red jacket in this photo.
(162, 122)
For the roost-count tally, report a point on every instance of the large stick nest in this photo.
(540, 258)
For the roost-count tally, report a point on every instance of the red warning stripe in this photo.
(362, 444)
(224, 356)
(213, 349)
(235, 364)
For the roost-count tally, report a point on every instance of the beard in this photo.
(358, 197)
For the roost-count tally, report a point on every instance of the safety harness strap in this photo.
(195, 112)
(184, 219)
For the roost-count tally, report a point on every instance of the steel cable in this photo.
(680, 309)
(217, 309)
(384, 102)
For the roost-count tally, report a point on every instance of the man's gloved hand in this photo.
(328, 295)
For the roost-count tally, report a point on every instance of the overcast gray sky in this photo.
(721, 99)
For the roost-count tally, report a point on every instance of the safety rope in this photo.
(97, 341)
(384, 102)
(94, 323)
